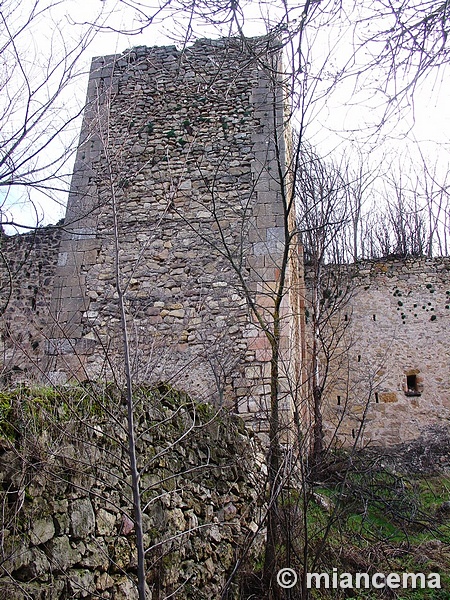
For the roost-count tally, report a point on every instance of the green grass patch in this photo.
(363, 518)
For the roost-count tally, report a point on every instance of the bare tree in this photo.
(325, 212)
(323, 216)
(417, 37)
(409, 213)
(37, 114)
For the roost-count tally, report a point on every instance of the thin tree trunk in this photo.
(135, 476)
(272, 543)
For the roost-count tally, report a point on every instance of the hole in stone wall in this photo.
(353, 434)
(377, 397)
(338, 400)
(374, 317)
(412, 388)
(411, 381)
(359, 357)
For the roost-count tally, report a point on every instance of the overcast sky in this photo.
(347, 117)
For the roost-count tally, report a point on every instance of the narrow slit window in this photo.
(338, 400)
(377, 397)
(374, 317)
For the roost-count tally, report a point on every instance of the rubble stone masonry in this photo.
(391, 382)
(176, 196)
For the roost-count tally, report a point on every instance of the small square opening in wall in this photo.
(412, 388)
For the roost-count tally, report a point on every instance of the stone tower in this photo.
(177, 196)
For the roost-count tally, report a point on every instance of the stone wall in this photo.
(176, 197)
(67, 520)
(390, 383)
(27, 267)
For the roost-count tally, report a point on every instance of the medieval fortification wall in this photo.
(175, 197)
(27, 269)
(390, 380)
(176, 182)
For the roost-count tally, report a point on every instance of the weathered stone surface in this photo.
(388, 397)
(125, 590)
(82, 518)
(193, 159)
(81, 583)
(106, 522)
(42, 530)
(192, 527)
(61, 554)
(396, 329)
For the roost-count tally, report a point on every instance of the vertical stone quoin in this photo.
(68, 339)
(189, 146)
